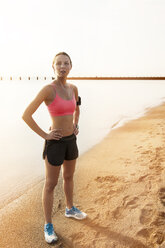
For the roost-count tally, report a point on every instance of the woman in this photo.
(63, 102)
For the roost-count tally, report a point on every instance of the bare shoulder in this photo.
(45, 91)
(74, 87)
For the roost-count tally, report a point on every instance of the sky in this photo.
(102, 37)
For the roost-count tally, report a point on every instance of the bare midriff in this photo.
(64, 124)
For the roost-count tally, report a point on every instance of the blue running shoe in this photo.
(50, 235)
(75, 213)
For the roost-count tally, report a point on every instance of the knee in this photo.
(67, 177)
(49, 185)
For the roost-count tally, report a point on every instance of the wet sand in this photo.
(119, 183)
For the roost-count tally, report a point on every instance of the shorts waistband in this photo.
(63, 139)
(68, 137)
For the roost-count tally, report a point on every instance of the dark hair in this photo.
(61, 53)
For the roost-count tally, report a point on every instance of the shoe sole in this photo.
(75, 217)
(51, 242)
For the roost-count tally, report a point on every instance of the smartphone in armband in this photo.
(79, 101)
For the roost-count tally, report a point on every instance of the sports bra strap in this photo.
(54, 86)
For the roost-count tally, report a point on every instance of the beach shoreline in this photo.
(118, 182)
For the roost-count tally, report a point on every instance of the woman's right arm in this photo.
(29, 111)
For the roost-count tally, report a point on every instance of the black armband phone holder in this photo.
(79, 101)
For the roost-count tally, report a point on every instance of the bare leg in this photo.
(68, 172)
(52, 174)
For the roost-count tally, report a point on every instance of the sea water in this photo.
(105, 105)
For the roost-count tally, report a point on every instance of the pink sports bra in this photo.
(60, 106)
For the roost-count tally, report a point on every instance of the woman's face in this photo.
(62, 66)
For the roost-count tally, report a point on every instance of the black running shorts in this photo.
(59, 150)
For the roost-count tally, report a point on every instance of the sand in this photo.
(119, 183)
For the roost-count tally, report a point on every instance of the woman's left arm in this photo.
(76, 113)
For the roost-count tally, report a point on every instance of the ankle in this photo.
(69, 207)
(48, 222)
